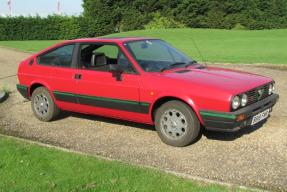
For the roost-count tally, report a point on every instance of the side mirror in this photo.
(116, 71)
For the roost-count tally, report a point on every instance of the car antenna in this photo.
(198, 50)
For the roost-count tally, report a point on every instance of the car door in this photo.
(59, 67)
(103, 92)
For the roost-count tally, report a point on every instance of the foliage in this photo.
(129, 23)
(37, 28)
(134, 14)
(160, 22)
(238, 26)
(102, 17)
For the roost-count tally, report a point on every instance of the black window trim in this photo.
(102, 43)
(74, 56)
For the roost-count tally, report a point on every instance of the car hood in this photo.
(231, 81)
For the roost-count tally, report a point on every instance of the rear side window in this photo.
(61, 57)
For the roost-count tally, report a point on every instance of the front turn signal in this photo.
(241, 117)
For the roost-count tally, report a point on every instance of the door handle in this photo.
(78, 76)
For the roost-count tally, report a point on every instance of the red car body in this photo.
(208, 91)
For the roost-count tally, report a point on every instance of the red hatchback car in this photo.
(143, 80)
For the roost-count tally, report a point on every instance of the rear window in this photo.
(61, 56)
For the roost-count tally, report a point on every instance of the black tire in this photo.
(40, 98)
(185, 121)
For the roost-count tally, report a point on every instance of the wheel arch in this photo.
(35, 85)
(160, 101)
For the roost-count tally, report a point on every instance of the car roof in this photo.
(97, 39)
(110, 39)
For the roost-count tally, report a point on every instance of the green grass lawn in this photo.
(230, 46)
(28, 167)
(30, 46)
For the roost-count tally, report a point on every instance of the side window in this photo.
(61, 57)
(99, 57)
(111, 51)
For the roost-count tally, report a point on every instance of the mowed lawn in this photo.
(215, 45)
(29, 46)
(27, 168)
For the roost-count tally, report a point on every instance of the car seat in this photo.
(98, 59)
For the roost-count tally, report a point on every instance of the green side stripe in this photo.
(145, 104)
(108, 99)
(101, 98)
(217, 115)
(22, 87)
(62, 93)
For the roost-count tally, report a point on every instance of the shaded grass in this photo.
(29, 46)
(27, 167)
(215, 45)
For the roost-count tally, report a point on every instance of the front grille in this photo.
(254, 95)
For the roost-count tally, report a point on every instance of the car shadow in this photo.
(231, 136)
(66, 114)
(213, 135)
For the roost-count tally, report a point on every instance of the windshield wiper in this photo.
(172, 65)
(190, 63)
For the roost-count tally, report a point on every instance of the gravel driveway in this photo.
(254, 157)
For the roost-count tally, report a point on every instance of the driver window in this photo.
(98, 57)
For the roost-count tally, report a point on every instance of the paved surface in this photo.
(254, 157)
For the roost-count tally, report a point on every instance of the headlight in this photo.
(270, 89)
(235, 102)
(244, 100)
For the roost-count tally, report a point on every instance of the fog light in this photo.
(241, 117)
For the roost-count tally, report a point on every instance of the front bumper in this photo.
(229, 122)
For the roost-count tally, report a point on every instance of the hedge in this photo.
(101, 17)
(38, 28)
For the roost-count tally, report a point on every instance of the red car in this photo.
(143, 80)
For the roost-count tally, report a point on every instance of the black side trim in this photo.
(131, 106)
(23, 90)
(66, 97)
(138, 108)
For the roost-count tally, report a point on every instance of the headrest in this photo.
(98, 59)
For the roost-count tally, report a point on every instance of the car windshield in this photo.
(156, 55)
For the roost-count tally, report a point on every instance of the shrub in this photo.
(238, 26)
(160, 22)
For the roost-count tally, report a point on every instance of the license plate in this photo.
(259, 117)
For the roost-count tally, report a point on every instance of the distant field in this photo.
(26, 167)
(266, 46)
(30, 46)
